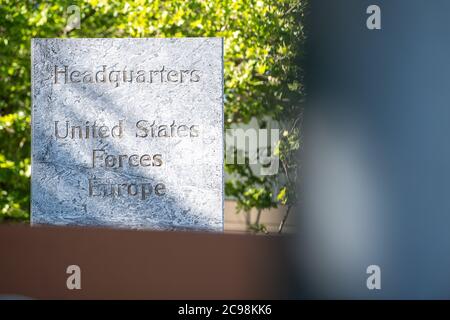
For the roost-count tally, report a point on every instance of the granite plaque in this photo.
(128, 133)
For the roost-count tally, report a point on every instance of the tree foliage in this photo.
(262, 79)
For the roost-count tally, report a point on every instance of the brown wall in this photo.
(235, 222)
(127, 264)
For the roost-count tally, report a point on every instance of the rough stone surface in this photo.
(101, 178)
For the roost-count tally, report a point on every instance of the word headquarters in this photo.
(69, 75)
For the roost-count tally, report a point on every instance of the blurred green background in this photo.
(263, 48)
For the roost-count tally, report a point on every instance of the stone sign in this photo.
(128, 133)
